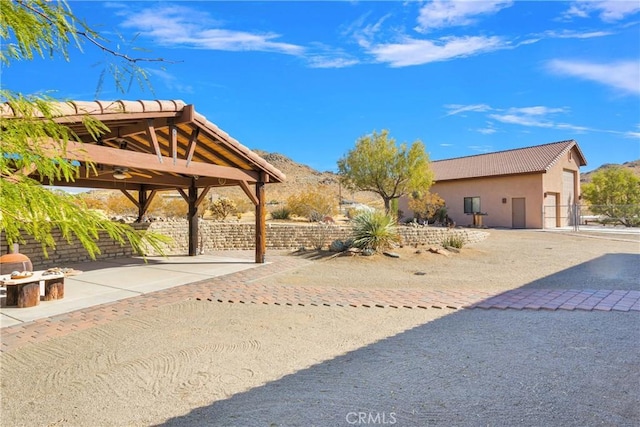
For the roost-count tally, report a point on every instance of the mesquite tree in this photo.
(379, 165)
(30, 28)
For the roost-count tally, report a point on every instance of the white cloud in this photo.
(322, 61)
(486, 131)
(537, 110)
(481, 148)
(181, 26)
(623, 75)
(570, 34)
(171, 81)
(632, 134)
(458, 108)
(607, 10)
(444, 13)
(521, 119)
(446, 145)
(535, 116)
(412, 51)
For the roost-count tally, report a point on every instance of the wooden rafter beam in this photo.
(173, 142)
(130, 197)
(150, 198)
(151, 134)
(202, 195)
(249, 193)
(184, 195)
(129, 159)
(193, 141)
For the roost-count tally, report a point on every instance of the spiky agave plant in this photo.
(374, 230)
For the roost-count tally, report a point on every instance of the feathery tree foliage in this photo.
(31, 28)
(377, 164)
(615, 194)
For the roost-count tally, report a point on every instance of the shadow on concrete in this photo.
(610, 271)
(469, 368)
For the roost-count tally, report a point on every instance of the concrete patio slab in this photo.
(111, 280)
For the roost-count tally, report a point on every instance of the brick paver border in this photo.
(244, 287)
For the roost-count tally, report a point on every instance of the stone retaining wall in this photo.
(215, 236)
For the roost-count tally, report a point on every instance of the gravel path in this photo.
(471, 368)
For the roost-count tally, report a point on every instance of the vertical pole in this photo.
(142, 201)
(193, 218)
(261, 228)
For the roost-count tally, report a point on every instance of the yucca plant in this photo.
(374, 230)
(454, 241)
(281, 213)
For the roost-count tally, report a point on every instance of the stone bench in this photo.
(26, 292)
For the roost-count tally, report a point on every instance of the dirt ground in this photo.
(507, 259)
(200, 363)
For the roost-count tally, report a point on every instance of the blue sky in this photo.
(306, 79)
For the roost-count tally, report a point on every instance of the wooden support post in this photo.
(261, 228)
(142, 202)
(193, 218)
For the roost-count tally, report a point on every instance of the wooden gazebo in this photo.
(155, 146)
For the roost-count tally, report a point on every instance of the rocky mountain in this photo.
(633, 165)
(299, 178)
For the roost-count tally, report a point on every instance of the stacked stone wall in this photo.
(218, 236)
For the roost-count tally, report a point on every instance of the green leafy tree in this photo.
(30, 28)
(379, 165)
(615, 193)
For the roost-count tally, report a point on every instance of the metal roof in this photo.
(536, 159)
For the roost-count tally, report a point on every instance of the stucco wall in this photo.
(493, 190)
(228, 236)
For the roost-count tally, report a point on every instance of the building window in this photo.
(471, 205)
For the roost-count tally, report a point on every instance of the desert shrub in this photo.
(119, 204)
(320, 236)
(374, 230)
(92, 201)
(174, 208)
(221, 208)
(426, 206)
(454, 241)
(242, 205)
(315, 204)
(339, 246)
(281, 213)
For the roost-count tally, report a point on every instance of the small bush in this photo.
(427, 206)
(314, 204)
(242, 205)
(454, 241)
(281, 213)
(374, 231)
(221, 208)
(338, 246)
(321, 236)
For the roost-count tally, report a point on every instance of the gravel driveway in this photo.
(477, 367)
